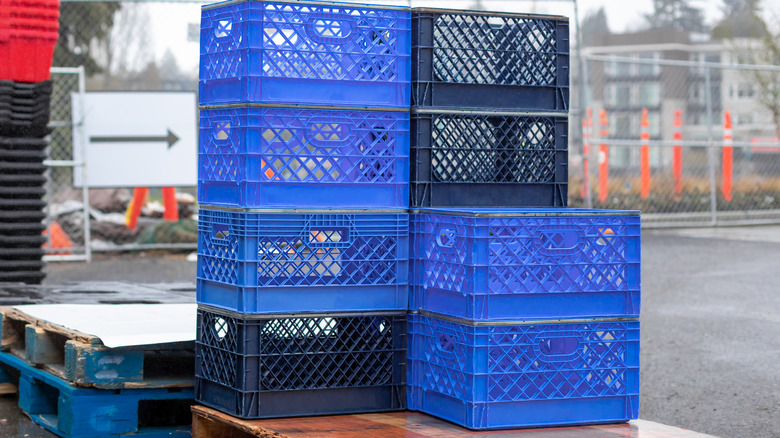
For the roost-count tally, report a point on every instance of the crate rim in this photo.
(508, 322)
(398, 211)
(307, 2)
(485, 112)
(523, 212)
(299, 106)
(489, 13)
(263, 316)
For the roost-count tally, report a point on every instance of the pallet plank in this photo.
(83, 359)
(74, 412)
(42, 347)
(210, 423)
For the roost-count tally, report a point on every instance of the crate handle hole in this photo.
(220, 231)
(559, 346)
(446, 238)
(446, 342)
(327, 29)
(221, 131)
(496, 22)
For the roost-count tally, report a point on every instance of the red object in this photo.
(677, 164)
(171, 206)
(136, 204)
(603, 157)
(645, 155)
(58, 239)
(728, 157)
(28, 34)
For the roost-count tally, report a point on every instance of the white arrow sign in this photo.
(136, 139)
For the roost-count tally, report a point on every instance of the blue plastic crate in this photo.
(524, 374)
(285, 366)
(303, 158)
(490, 264)
(481, 59)
(305, 53)
(484, 159)
(303, 262)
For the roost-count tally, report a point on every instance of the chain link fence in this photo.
(153, 46)
(687, 170)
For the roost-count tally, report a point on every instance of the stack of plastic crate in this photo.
(28, 33)
(523, 313)
(490, 98)
(303, 232)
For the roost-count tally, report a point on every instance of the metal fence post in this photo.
(710, 146)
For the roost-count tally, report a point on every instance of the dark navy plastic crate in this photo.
(260, 157)
(510, 264)
(490, 60)
(480, 159)
(305, 53)
(524, 374)
(303, 262)
(286, 366)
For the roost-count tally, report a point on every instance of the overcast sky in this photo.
(171, 20)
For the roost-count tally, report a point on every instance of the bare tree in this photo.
(128, 48)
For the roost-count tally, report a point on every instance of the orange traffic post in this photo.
(644, 152)
(677, 163)
(603, 157)
(728, 157)
(171, 212)
(58, 239)
(134, 209)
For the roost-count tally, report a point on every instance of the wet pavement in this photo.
(710, 327)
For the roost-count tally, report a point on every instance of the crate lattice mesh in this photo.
(508, 149)
(478, 49)
(306, 42)
(304, 353)
(519, 368)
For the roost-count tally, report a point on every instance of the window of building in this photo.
(745, 90)
(649, 94)
(618, 95)
(745, 119)
(620, 126)
(654, 118)
(643, 69)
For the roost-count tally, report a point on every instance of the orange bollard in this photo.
(644, 153)
(134, 209)
(677, 156)
(171, 212)
(603, 158)
(728, 157)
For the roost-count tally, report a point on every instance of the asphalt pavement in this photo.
(710, 327)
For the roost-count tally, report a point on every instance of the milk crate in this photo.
(305, 53)
(490, 60)
(491, 264)
(259, 157)
(286, 366)
(480, 159)
(524, 374)
(303, 262)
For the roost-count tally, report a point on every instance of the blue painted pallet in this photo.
(83, 360)
(73, 412)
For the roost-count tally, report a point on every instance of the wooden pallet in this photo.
(210, 423)
(83, 360)
(74, 412)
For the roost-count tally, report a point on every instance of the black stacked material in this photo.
(25, 109)
(480, 159)
(24, 116)
(490, 96)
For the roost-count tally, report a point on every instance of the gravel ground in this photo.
(710, 327)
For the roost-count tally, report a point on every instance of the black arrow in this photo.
(171, 139)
